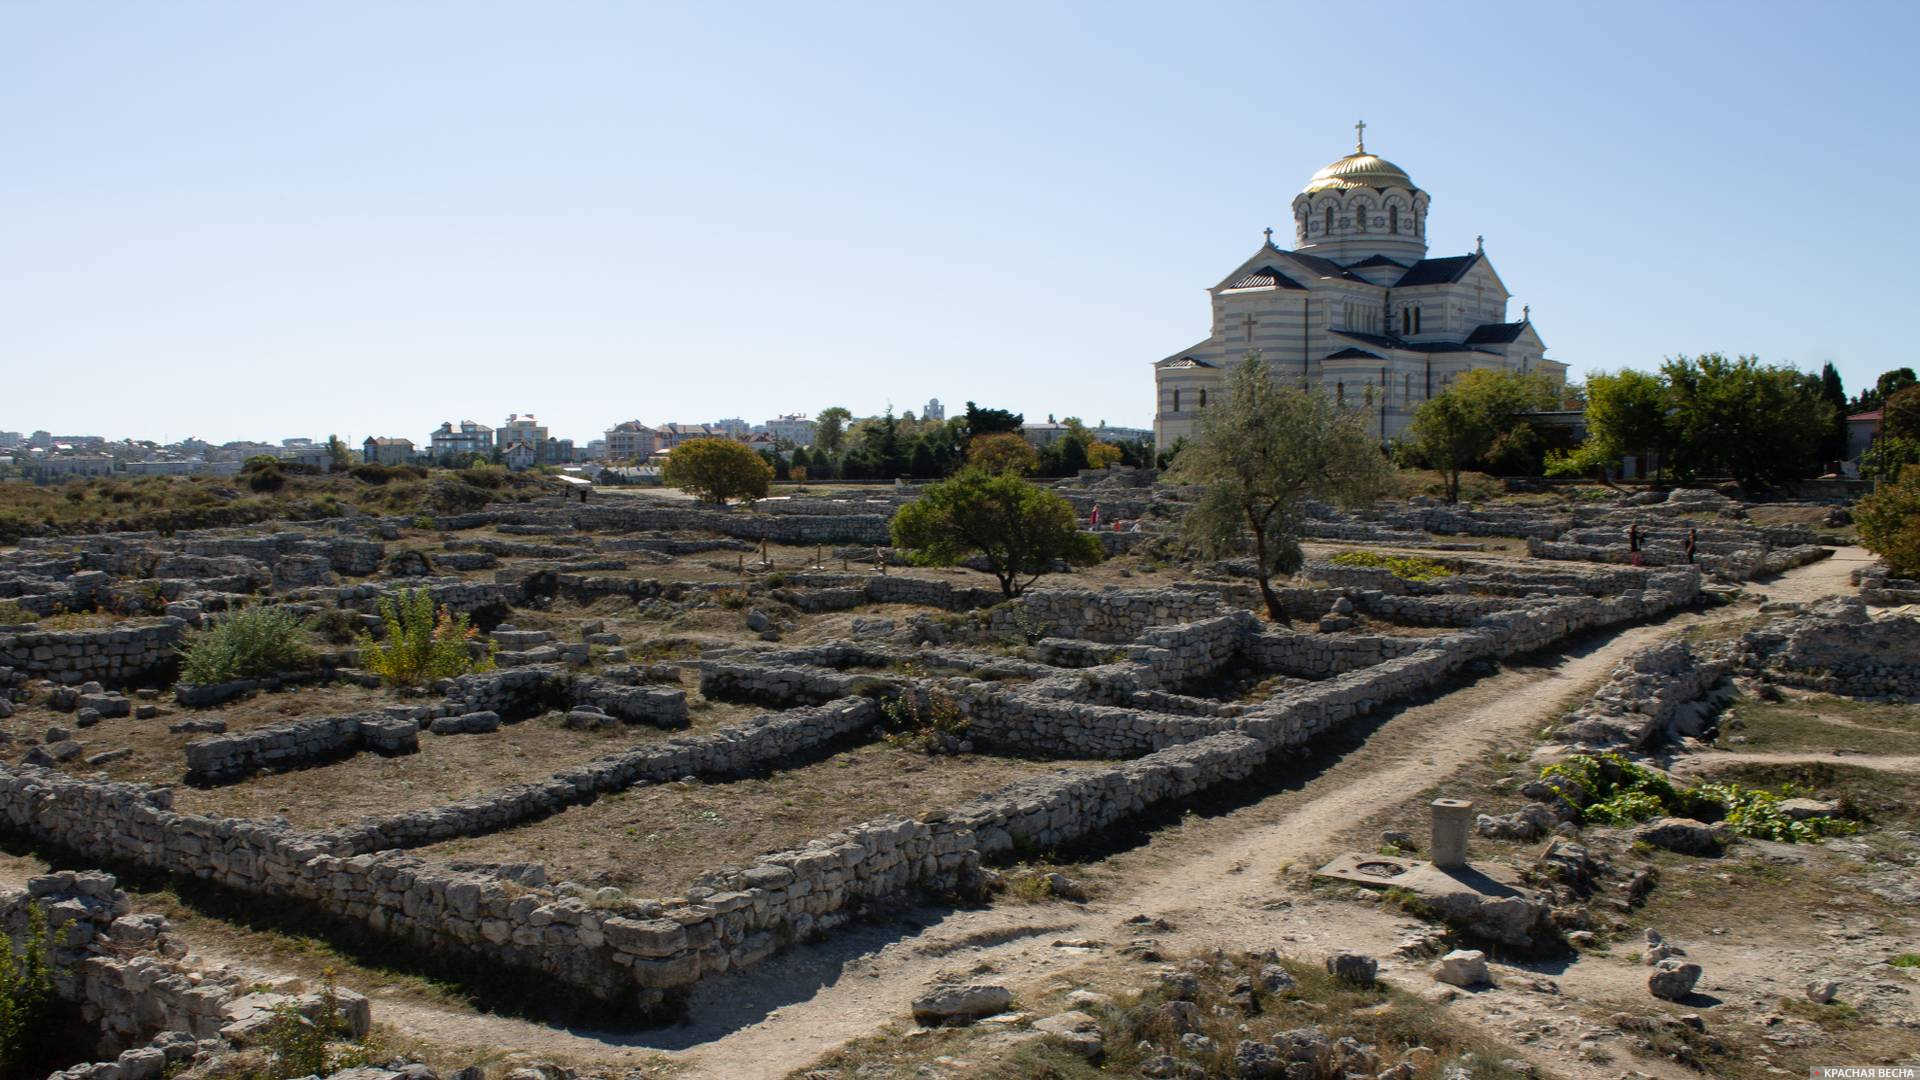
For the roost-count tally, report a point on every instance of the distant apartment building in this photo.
(45, 466)
(448, 442)
(795, 428)
(520, 429)
(934, 410)
(673, 435)
(304, 452)
(163, 468)
(733, 426)
(385, 451)
(631, 440)
(11, 439)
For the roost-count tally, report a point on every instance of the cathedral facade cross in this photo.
(1249, 323)
(1360, 137)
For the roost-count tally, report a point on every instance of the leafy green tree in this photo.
(830, 429)
(717, 470)
(1003, 452)
(1888, 457)
(1900, 416)
(1477, 421)
(1259, 456)
(1888, 384)
(339, 458)
(1628, 413)
(1835, 395)
(1888, 522)
(1759, 423)
(1020, 529)
(981, 421)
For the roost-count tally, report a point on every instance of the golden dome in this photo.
(1360, 169)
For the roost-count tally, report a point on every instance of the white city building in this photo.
(1357, 309)
(795, 428)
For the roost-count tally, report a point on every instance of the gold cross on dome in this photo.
(1360, 137)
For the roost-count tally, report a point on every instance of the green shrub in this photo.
(1409, 567)
(11, 613)
(26, 994)
(1610, 790)
(299, 1046)
(246, 644)
(421, 645)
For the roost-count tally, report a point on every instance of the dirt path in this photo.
(1708, 760)
(1216, 883)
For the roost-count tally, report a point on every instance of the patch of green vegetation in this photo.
(12, 613)
(246, 644)
(1905, 960)
(1407, 567)
(1610, 790)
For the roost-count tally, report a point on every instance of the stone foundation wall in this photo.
(117, 655)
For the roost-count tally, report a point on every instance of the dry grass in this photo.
(656, 840)
(1822, 722)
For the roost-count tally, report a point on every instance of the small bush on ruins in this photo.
(421, 644)
(26, 995)
(1409, 567)
(1888, 522)
(718, 471)
(1020, 529)
(936, 725)
(1260, 455)
(1607, 789)
(12, 614)
(245, 644)
(297, 1045)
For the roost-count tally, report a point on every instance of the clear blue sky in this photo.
(261, 220)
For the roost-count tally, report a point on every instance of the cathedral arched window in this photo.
(1359, 217)
(1203, 397)
(1176, 399)
(1340, 393)
(1393, 219)
(1406, 392)
(1329, 219)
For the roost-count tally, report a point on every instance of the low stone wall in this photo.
(1658, 693)
(117, 655)
(520, 692)
(226, 759)
(1837, 648)
(1115, 616)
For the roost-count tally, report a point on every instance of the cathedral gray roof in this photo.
(1385, 342)
(1377, 260)
(1351, 353)
(1437, 271)
(1499, 333)
(1326, 267)
(1266, 277)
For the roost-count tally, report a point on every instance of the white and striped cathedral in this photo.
(1356, 308)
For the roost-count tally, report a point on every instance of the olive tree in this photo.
(1019, 528)
(1260, 455)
